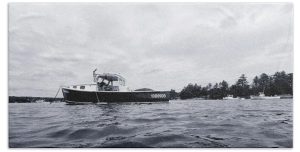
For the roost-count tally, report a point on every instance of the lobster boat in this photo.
(108, 87)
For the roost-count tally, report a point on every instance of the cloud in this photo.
(160, 46)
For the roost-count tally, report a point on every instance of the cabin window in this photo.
(115, 88)
(74, 87)
(82, 87)
(121, 82)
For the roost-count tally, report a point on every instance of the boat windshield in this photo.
(109, 78)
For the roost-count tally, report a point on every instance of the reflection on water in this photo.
(188, 123)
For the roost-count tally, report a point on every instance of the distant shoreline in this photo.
(29, 99)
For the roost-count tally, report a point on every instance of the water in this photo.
(188, 123)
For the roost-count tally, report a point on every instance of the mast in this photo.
(95, 75)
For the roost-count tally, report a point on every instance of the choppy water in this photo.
(188, 123)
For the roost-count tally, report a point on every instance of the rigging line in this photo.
(56, 94)
(97, 96)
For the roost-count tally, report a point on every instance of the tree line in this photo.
(279, 83)
(15, 99)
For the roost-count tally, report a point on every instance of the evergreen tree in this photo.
(290, 81)
(224, 88)
(173, 94)
(264, 82)
(255, 86)
(242, 88)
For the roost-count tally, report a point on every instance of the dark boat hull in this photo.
(77, 96)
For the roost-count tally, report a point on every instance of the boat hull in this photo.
(77, 96)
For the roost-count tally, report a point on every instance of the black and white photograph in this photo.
(150, 75)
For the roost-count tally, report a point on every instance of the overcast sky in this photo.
(161, 46)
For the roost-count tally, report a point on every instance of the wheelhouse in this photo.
(109, 82)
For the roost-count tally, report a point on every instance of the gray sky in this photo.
(161, 46)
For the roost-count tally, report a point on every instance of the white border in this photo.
(4, 65)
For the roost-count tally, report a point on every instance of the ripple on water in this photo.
(272, 134)
(87, 133)
(125, 144)
(60, 133)
(163, 139)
